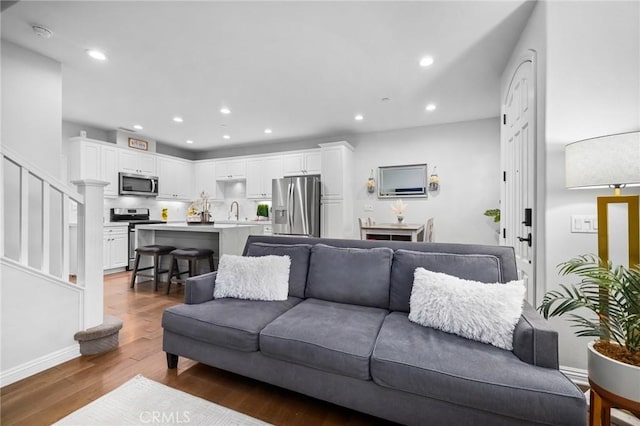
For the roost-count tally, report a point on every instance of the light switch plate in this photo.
(368, 208)
(584, 224)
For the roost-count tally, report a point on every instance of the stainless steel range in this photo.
(137, 216)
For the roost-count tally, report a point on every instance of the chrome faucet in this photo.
(237, 210)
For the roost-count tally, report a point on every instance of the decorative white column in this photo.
(90, 247)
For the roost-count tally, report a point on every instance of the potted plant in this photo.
(494, 213)
(613, 295)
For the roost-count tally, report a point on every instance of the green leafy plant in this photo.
(494, 213)
(612, 294)
(263, 210)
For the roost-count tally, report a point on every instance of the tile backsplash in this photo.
(233, 191)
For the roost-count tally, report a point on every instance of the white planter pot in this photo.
(614, 376)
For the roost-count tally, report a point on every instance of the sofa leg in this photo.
(172, 361)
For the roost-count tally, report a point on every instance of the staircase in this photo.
(41, 309)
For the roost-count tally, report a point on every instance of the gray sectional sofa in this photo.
(343, 336)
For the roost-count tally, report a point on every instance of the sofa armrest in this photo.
(199, 289)
(534, 342)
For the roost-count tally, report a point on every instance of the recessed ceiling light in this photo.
(178, 119)
(225, 110)
(267, 131)
(138, 127)
(359, 117)
(189, 141)
(426, 61)
(226, 137)
(431, 107)
(96, 54)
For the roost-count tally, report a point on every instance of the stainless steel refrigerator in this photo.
(296, 205)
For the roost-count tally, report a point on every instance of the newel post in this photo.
(90, 247)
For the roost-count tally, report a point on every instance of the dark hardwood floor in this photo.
(54, 393)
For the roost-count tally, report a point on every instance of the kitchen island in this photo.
(222, 238)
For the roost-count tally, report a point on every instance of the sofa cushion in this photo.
(232, 323)
(350, 275)
(431, 363)
(327, 336)
(478, 267)
(299, 255)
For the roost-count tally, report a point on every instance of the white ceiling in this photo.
(304, 69)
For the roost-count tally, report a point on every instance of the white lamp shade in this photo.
(604, 161)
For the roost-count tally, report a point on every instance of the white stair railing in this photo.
(25, 189)
(35, 219)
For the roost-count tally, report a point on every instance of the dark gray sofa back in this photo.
(299, 254)
(499, 260)
(358, 276)
(478, 267)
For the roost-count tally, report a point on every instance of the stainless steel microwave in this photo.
(132, 184)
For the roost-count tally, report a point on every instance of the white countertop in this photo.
(115, 224)
(253, 222)
(182, 226)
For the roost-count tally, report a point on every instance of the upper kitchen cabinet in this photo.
(139, 163)
(337, 163)
(231, 169)
(174, 179)
(204, 180)
(260, 172)
(90, 159)
(302, 163)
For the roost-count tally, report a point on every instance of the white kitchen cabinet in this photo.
(204, 180)
(260, 172)
(337, 163)
(302, 163)
(109, 170)
(337, 190)
(115, 247)
(174, 179)
(231, 170)
(140, 163)
(89, 159)
(332, 220)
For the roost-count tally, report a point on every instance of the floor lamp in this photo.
(611, 161)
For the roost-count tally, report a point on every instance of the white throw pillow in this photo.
(484, 312)
(253, 278)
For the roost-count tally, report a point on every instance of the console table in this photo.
(393, 231)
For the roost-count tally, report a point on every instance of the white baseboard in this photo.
(577, 375)
(39, 364)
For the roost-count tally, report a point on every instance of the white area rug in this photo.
(141, 401)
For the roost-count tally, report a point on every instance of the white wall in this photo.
(467, 158)
(588, 84)
(36, 333)
(32, 106)
(593, 89)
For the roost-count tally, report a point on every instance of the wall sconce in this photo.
(434, 181)
(371, 183)
(608, 162)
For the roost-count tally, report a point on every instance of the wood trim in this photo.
(633, 213)
(602, 401)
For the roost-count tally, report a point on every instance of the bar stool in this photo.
(192, 255)
(153, 250)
